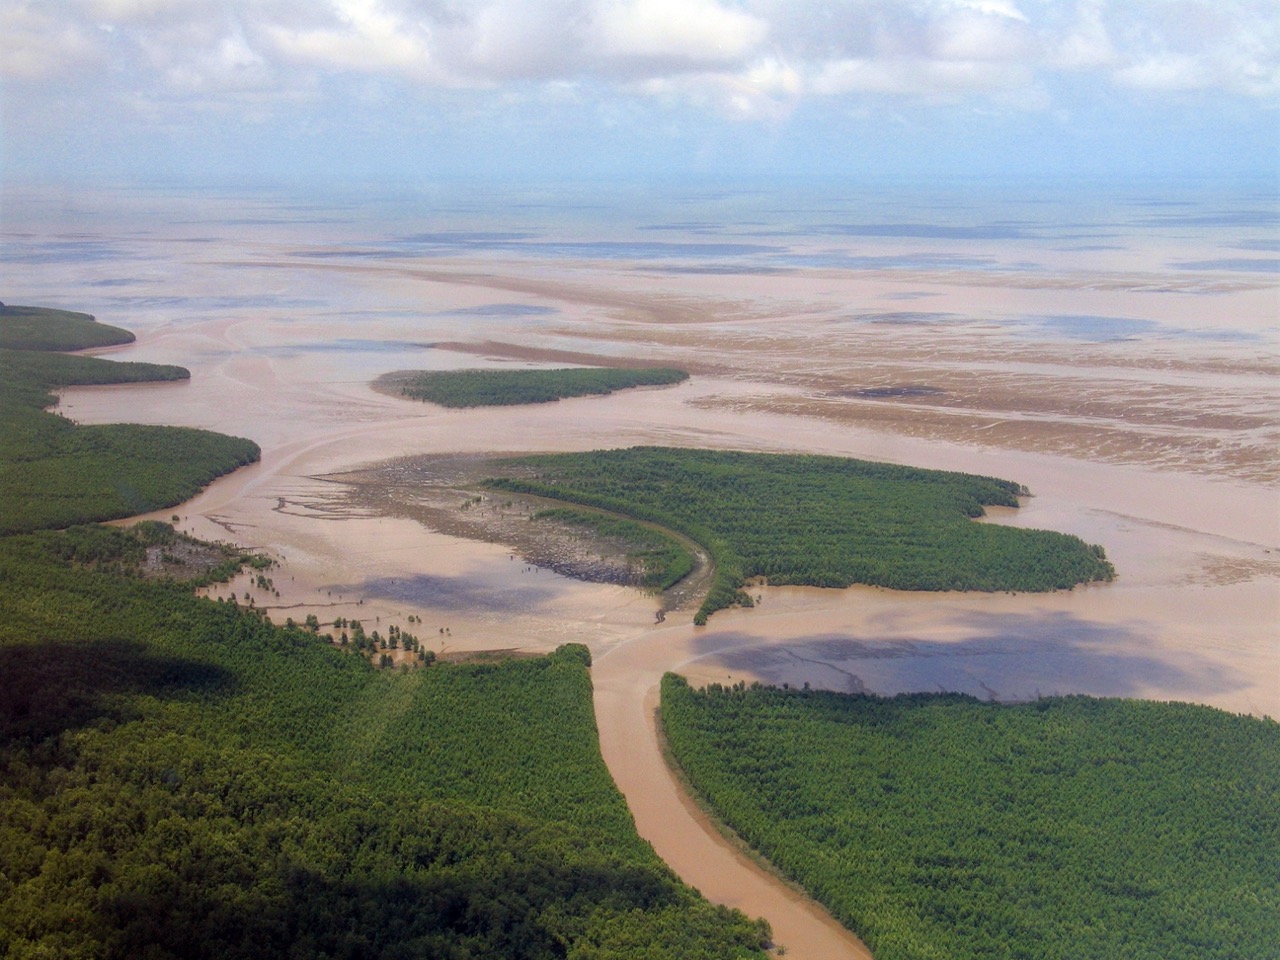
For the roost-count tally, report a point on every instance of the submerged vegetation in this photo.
(492, 388)
(818, 521)
(935, 825)
(54, 472)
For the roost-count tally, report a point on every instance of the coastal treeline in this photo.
(47, 328)
(936, 825)
(494, 388)
(55, 472)
(816, 520)
(179, 778)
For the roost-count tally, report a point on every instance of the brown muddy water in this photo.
(1130, 384)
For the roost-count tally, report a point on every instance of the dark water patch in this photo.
(650, 250)
(1097, 329)
(1007, 657)
(1227, 218)
(727, 270)
(1233, 264)
(502, 310)
(462, 593)
(1101, 329)
(116, 282)
(427, 245)
(912, 295)
(467, 238)
(62, 251)
(901, 391)
(905, 317)
(926, 231)
(923, 261)
(341, 345)
(1093, 248)
(690, 226)
(255, 301)
(1266, 244)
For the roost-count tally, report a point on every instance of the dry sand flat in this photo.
(1160, 442)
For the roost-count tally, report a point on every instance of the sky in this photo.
(261, 92)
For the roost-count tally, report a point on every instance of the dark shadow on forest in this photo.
(57, 686)
(1006, 657)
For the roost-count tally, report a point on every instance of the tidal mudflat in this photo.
(1119, 358)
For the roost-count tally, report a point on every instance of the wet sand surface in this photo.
(1135, 396)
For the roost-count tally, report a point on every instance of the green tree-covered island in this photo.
(500, 388)
(815, 520)
(54, 472)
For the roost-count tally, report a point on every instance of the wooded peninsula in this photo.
(937, 825)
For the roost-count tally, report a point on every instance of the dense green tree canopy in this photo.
(45, 328)
(938, 826)
(54, 472)
(179, 778)
(495, 388)
(820, 521)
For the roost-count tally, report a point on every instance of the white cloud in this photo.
(36, 44)
(753, 59)
(363, 36)
(680, 32)
(927, 79)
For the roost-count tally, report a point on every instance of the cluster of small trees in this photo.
(374, 644)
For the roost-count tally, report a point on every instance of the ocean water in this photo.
(138, 252)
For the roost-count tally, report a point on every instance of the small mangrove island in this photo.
(498, 388)
(816, 520)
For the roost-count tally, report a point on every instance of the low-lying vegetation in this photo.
(935, 825)
(490, 388)
(817, 521)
